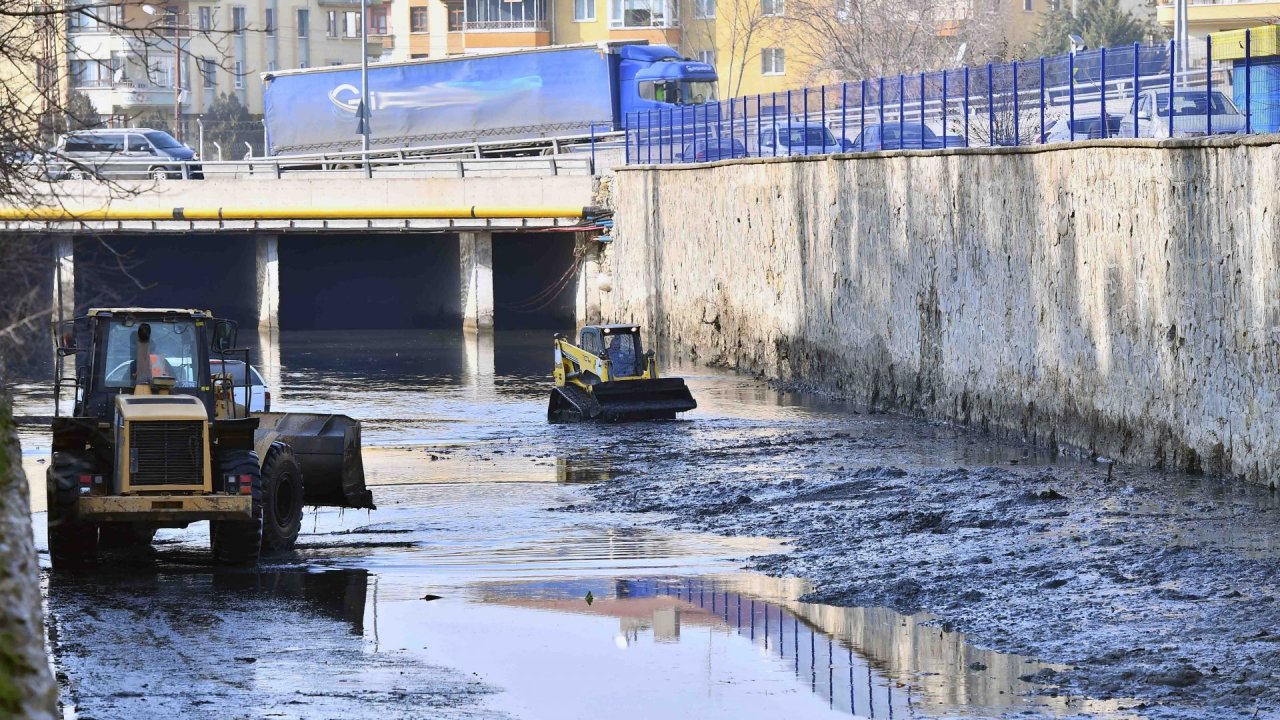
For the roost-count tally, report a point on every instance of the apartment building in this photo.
(123, 56)
(1209, 16)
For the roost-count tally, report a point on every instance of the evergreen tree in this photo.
(1101, 23)
(230, 124)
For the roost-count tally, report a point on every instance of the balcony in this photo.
(506, 26)
(111, 97)
(1210, 15)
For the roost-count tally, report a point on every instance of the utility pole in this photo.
(364, 84)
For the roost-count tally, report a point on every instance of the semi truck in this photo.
(567, 90)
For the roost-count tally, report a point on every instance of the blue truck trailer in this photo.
(511, 96)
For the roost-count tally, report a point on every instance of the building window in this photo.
(773, 61)
(237, 20)
(239, 71)
(271, 21)
(378, 20)
(771, 7)
(643, 13)
(584, 10)
(94, 19)
(707, 56)
(205, 15)
(505, 15)
(704, 9)
(457, 15)
(1027, 5)
(351, 24)
(418, 19)
(331, 28)
(209, 71)
(304, 22)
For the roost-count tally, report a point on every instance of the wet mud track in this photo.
(514, 569)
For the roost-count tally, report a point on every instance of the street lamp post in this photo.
(364, 84)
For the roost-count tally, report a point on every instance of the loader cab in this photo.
(174, 359)
(620, 344)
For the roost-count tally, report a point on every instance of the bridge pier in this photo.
(475, 251)
(268, 283)
(64, 277)
(587, 302)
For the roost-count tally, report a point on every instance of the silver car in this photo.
(121, 153)
(1195, 113)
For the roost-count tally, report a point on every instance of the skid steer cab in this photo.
(158, 440)
(608, 376)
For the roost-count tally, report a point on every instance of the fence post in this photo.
(881, 103)
(1248, 82)
(773, 111)
(759, 122)
(733, 107)
(1208, 85)
(902, 108)
(921, 111)
(966, 106)
(862, 119)
(1137, 80)
(804, 124)
(844, 114)
(706, 132)
(944, 109)
(1017, 130)
(788, 123)
(1042, 138)
(991, 106)
(822, 97)
(1172, 74)
(627, 145)
(1106, 128)
(1071, 96)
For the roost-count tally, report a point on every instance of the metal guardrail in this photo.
(292, 167)
(1235, 89)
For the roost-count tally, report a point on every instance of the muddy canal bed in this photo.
(519, 570)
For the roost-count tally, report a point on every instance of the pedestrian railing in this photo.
(1229, 84)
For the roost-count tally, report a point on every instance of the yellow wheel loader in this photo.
(608, 376)
(158, 440)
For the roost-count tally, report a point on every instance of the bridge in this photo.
(333, 248)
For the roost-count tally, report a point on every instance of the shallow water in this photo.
(542, 611)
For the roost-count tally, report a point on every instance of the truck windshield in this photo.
(679, 92)
(174, 350)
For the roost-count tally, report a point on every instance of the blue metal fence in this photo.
(1224, 86)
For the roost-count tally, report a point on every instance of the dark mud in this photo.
(1160, 588)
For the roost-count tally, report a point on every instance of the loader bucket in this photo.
(657, 399)
(328, 448)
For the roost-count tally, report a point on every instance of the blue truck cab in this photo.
(652, 77)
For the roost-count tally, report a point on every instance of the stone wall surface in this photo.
(27, 689)
(1122, 299)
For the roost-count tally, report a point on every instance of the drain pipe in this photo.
(469, 212)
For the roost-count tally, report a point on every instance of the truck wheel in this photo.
(72, 543)
(120, 535)
(281, 499)
(238, 542)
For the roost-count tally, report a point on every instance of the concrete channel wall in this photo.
(1117, 297)
(27, 689)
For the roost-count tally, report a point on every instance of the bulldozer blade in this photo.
(659, 399)
(328, 448)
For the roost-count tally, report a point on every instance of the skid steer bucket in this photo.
(657, 399)
(328, 448)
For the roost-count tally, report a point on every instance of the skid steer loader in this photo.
(157, 440)
(607, 376)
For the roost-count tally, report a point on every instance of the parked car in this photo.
(259, 392)
(1191, 110)
(1084, 127)
(712, 150)
(121, 153)
(909, 136)
(797, 138)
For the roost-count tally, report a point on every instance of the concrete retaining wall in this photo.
(27, 689)
(1118, 298)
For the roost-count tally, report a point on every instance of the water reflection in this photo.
(869, 662)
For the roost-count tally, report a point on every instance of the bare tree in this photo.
(864, 39)
(736, 31)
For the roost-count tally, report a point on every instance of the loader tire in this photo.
(281, 499)
(239, 542)
(72, 543)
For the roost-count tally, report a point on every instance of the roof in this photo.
(671, 69)
(149, 311)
